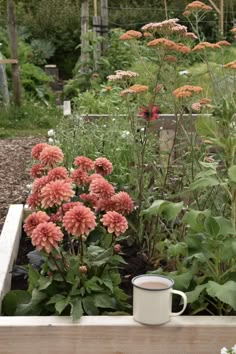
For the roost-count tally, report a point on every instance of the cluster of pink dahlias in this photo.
(72, 201)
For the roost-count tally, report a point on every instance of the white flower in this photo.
(142, 129)
(125, 134)
(113, 119)
(104, 126)
(50, 141)
(234, 349)
(224, 351)
(29, 186)
(51, 133)
(183, 72)
(71, 169)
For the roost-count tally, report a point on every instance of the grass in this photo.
(31, 119)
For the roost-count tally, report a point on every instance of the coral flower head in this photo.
(57, 173)
(115, 222)
(80, 177)
(46, 236)
(123, 203)
(51, 155)
(131, 34)
(37, 149)
(32, 221)
(103, 166)
(79, 221)
(37, 170)
(83, 162)
(101, 188)
(55, 192)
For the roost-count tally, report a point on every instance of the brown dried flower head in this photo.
(131, 34)
(186, 91)
(205, 45)
(134, 89)
(165, 27)
(197, 6)
(171, 58)
(231, 65)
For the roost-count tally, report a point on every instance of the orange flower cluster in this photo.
(186, 91)
(224, 43)
(205, 45)
(181, 48)
(131, 34)
(134, 89)
(205, 101)
(167, 43)
(233, 30)
(197, 6)
(231, 65)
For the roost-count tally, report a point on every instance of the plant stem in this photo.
(58, 267)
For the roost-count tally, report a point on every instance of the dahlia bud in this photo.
(50, 274)
(84, 238)
(117, 248)
(83, 269)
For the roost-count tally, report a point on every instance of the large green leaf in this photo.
(164, 208)
(44, 282)
(225, 292)
(195, 219)
(76, 309)
(13, 299)
(193, 295)
(204, 182)
(211, 226)
(207, 126)
(60, 305)
(232, 173)
(104, 301)
(33, 276)
(182, 281)
(89, 306)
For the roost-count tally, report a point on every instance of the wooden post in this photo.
(104, 24)
(4, 84)
(13, 49)
(221, 25)
(166, 10)
(97, 48)
(84, 30)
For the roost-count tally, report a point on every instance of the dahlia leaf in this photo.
(76, 309)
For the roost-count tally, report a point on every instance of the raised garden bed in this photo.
(100, 334)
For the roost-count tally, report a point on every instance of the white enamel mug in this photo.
(152, 305)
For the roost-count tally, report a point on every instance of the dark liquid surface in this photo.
(153, 285)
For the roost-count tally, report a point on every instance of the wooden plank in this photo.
(166, 146)
(8, 61)
(9, 244)
(118, 335)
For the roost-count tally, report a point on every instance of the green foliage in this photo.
(32, 118)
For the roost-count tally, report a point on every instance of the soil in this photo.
(15, 160)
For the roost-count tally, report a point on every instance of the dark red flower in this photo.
(150, 113)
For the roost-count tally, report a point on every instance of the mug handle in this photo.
(184, 297)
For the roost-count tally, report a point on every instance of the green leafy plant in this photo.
(76, 234)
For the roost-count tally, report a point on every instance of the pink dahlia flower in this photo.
(51, 155)
(39, 183)
(95, 176)
(123, 203)
(37, 149)
(55, 192)
(79, 220)
(46, 236)
(80, 177)
(101, 188)
(33, 200)
(32, 221)
(37, 170)
(84, 162)
(103, 166)
(57, 173)
(115, 222)
(106, 204)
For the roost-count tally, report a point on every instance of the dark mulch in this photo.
(14, 175)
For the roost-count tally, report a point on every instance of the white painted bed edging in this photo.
(101, 334)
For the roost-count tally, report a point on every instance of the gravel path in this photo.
(15, 161)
